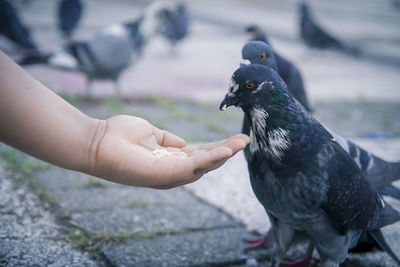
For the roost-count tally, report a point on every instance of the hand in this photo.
(123, 151)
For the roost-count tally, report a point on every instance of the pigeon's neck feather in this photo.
(282, 132)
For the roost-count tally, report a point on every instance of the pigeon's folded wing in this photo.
(351, 200)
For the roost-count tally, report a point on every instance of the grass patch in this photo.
(19, 163)
(94, 241)
(114, 104)
(162, 102)
(23, 168)
(95, 182)
(74, 99)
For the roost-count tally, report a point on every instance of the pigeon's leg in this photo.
(306, 261)
(88, 87)
(331, 246)
(261, 242)
(284, 235)
(118, 88)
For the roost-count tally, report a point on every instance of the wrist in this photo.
(96, 131)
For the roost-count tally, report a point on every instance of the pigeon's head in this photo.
(156, 15)
(304, 10)
(253, 29)
(255, 33)
(252, 85)
(257, 52)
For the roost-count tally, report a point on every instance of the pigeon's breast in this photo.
(294, 200)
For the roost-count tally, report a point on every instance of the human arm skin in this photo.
(120, 149)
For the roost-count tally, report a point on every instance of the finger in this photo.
(235, 143)
(243, 137)
(192, 168)
(200, 172)
(168, 139)
(204, 160)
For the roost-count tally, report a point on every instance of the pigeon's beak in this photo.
(229, 100)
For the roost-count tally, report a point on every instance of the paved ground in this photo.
(50, 216)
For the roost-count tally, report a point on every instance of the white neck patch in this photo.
(272, 143)
(259, 117)
(278, 142)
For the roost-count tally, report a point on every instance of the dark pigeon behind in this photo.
(177, 28)
(69, 15)
(14, 29)
(316, 37)
(304, 179)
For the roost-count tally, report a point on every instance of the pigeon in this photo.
(14, 29)
(379, 172)
(301, 175)
(316, 37)
(111, 50)
(69, 14)
(261, 52)
(176, 28)
(256, 34)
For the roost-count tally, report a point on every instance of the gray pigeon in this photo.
(176, 29)
(301, 175)
(111, 50)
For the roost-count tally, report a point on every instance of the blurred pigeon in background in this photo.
(256, 34)
(316, 37)
(111, 50)
(69, 14)
(13, 28)
(301, 175)
(252, 51)
(176, 28)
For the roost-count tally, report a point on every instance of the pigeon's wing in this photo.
(112, 50)
(351, 200)
(378, 172)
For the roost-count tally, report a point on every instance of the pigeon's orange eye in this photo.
(262, 56)
(250, 85)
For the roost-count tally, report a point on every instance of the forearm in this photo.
(39, 122)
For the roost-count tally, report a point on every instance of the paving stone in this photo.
(215, 247)
(153, 218)
(38, 251)
(57, 178)
(29, 235)
(77, 192)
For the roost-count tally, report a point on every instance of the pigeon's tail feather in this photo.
(387, 215)
(395, 171)
(350, 49)
(383, 173)
(378, 237)
(390, 191)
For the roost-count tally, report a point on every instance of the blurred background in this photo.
(175, 76)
